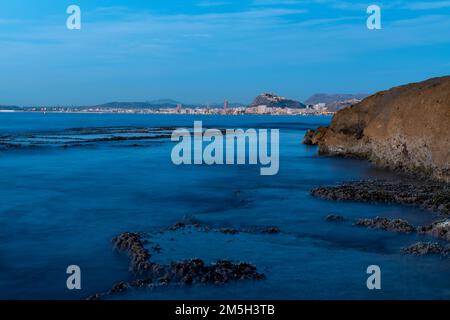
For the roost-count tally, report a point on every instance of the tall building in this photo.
(225, 105)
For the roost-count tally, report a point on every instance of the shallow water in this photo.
(61, 204)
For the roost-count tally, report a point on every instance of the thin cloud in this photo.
(276, 2)
(428, 5)
(209, 4)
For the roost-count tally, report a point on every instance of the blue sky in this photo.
(206, 51)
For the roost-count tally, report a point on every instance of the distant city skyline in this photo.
(211, 51)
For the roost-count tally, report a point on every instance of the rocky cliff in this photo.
(406, 127)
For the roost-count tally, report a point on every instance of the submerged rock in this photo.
(85, 137)
(397, 225)
(133, 244)
(195, 269)
(270, 230)
(229, 231)
(433, 196)
(438, 229)
(187, 272)
(120, 287)
(178, 226)
(426, 248)
(334, 218)
(221, 272)
(94, 297)
(157, 248)
(203, 227)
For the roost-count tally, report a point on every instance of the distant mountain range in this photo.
(330, 98)
(2, 107)
(337, 101)
(333, 102)
(164, 103)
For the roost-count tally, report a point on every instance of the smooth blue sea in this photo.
(65, 193)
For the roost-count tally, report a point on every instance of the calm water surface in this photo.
(62, 205)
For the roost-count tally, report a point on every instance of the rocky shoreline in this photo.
(403, 129)
(428, 195)
(397, 225)
(439, 230)
(427, 248)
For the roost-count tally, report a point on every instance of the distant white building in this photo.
(319, 106)
(261, 109)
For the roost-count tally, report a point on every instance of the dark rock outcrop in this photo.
(187, 272)
(133, 244)
(439, 229)
(150, 274)
(313, 137)
(119, 287)
(426, 248)
(201, 226)
(397, 225)
(405, 128)
(433, 196)
(335, 218)
(270, 230)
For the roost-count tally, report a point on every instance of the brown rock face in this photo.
(406, 128)
(312, 137)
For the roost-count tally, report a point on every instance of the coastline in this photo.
(162, 113)
(411, 142)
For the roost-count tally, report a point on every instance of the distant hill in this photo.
(330, 98)
(274, 101)
(162, 103)
(125, 105)
(165, 103)
(9, 107)
(336, 102)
